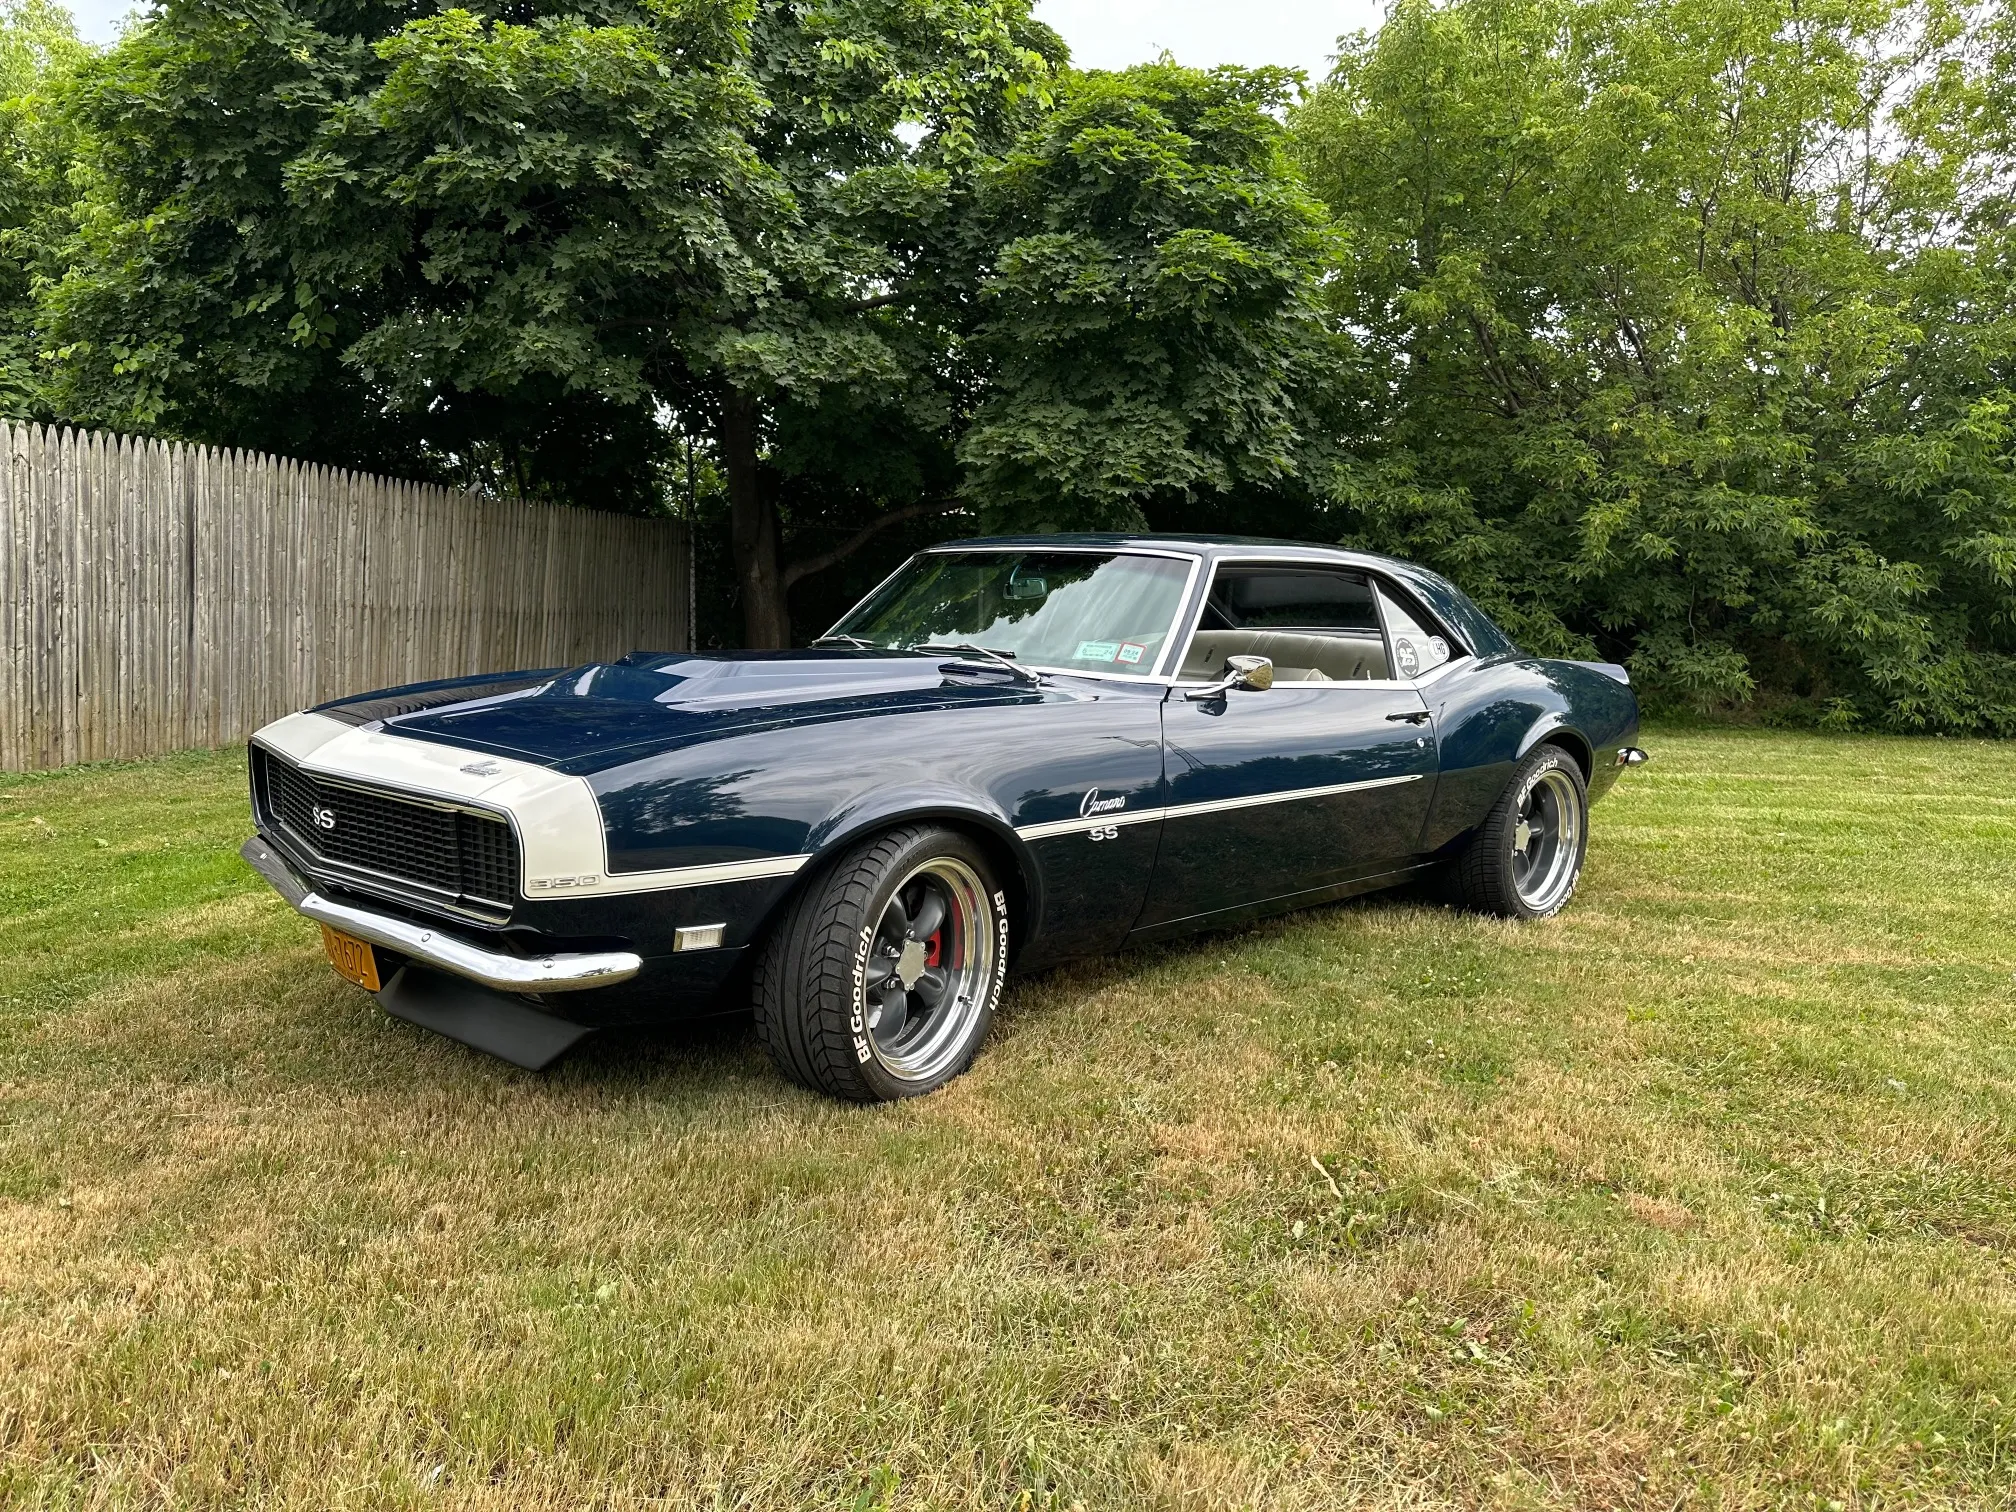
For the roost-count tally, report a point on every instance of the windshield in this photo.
(1073, 610)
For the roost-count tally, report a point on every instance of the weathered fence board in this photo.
(156, 597)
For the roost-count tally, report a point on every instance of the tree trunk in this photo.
(766, 617)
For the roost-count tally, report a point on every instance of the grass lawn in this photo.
(1704, 1194)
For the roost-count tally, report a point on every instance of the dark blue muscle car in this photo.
(1011, 752)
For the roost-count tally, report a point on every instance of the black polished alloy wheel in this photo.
(881, 980)
(1525, 858)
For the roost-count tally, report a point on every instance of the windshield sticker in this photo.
(1131, 652)
(1097, 650)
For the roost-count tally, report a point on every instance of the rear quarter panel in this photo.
(1488, 716)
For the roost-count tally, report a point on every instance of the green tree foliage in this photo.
(535, 237)
(1679, 331)
(39, 52)
(1685, 332)
(853, 243)
(1148, 327)
(341, 233)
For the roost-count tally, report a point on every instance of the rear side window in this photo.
(1418, 645)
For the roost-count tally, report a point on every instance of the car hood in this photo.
(583, 719)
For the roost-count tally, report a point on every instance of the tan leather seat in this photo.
(1298, 655)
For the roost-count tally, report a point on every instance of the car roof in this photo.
(1199, 545)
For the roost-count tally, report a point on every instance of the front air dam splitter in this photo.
(450, 985)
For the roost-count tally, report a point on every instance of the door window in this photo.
(1314, 624)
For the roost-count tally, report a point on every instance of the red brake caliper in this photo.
(932, 946)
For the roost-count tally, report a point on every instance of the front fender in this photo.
(801, 795)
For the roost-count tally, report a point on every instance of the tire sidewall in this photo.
(1539, 762)
(880, 1082)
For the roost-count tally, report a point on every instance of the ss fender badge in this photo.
(554, 884)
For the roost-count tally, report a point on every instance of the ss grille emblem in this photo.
(325, 818)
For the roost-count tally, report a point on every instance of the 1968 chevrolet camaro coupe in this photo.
(1011, 752)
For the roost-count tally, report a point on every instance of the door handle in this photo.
(1419, 716)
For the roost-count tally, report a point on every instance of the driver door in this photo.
(1323, 779)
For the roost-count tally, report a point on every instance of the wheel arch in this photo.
(1015, 867)
(1554, 730)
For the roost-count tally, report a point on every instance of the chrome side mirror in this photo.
(1253, 674)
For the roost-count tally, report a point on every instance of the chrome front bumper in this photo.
(563, 972)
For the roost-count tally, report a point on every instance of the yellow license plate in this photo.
(351, 957)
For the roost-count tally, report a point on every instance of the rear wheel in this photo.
(1526, 857)
(881, 981)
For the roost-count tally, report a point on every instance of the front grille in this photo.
(452, 854)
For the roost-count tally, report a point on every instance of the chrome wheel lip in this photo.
(969, 927)
(1544, 869)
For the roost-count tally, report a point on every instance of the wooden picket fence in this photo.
(157, 597)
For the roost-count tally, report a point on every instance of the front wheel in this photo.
(1526, 857)
(881, 981)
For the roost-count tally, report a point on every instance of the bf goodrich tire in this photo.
(881, 981)
(1526, 857)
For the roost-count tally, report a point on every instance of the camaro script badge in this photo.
(1094, 804)
(324, 818)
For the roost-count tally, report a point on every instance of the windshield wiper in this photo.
(847, 640)
(1002, 659)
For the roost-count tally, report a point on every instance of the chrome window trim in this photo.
(1077, 547)
(1382, 596)
(1154, 675)
(1390, 684)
